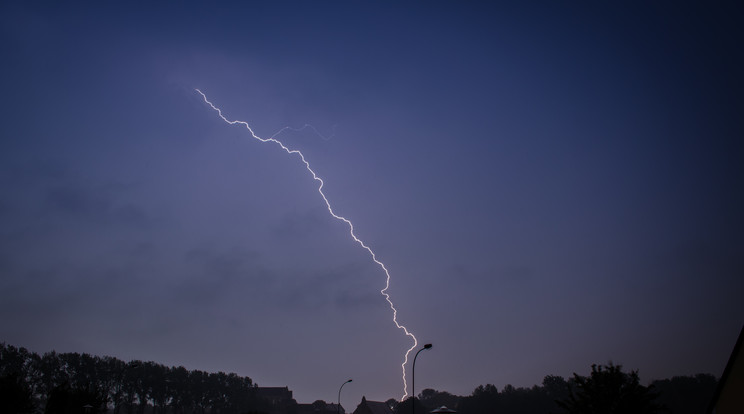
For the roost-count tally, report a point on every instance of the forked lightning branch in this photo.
(384, 293)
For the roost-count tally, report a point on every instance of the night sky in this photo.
(551, 186)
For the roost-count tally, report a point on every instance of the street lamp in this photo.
(413, 379)
(339, 396)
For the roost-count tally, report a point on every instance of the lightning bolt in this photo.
(383, 292)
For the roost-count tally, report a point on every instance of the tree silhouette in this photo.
(65, 399)
(537, 399)
(608, 390)
(15, 396)
(404, 407)
(432, 399)
(686, 395)
(392, 403)
(51, 381)
(182, 396)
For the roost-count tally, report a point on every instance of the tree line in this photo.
(71, 383)
(606, 390)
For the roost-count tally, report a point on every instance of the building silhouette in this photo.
(372, 407)
(280, 399)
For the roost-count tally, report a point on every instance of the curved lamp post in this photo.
(413, 379)
(339, 396)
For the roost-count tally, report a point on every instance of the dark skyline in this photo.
(550, 186)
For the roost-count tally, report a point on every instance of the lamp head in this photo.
(427, 346)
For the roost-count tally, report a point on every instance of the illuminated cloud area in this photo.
(549, 187)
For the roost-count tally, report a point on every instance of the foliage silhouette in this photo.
(686, 395)
(59, 382)
(537, 399)
(75, 400)
(392, 403)
(433, 399)
(404, 407)
(608, 390)
(15, 395)
(151, 388)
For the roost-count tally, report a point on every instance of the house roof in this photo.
(375, 407)
(728, 393)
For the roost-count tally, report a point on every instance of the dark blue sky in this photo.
(550, 187)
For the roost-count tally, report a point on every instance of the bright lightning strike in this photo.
(337, 217)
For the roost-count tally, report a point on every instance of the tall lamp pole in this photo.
(413, 379)
(339, 396)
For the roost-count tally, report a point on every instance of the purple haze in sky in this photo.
(551, 186)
